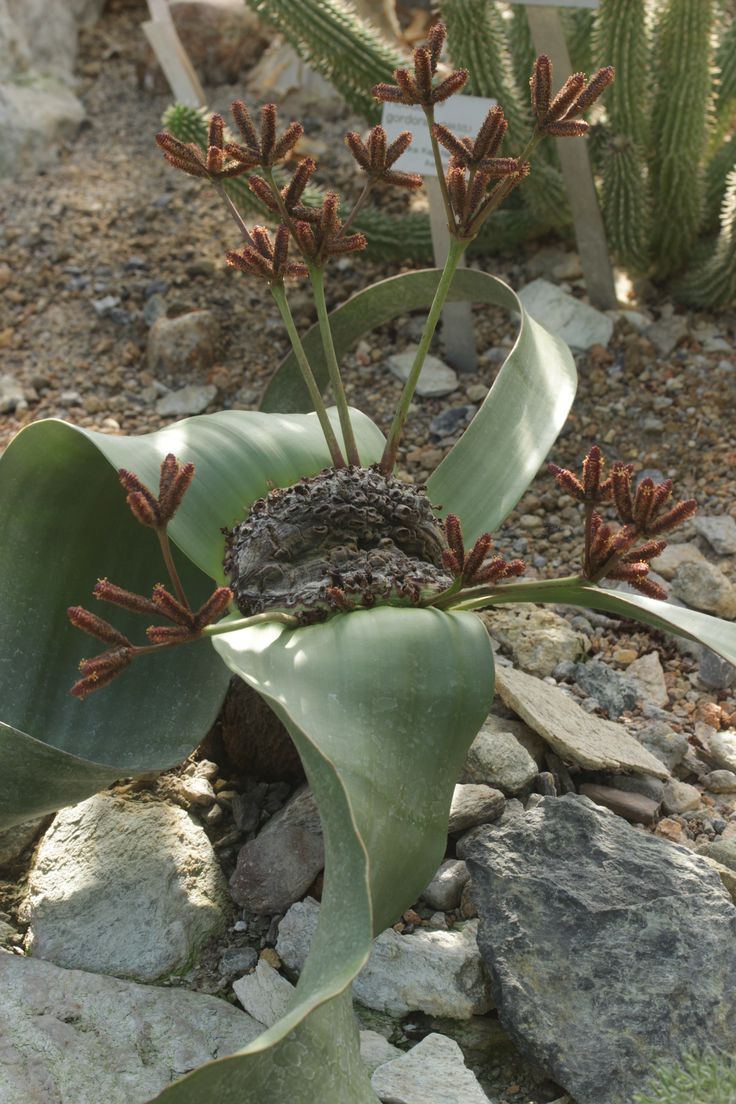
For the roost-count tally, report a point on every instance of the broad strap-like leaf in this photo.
(65, 523)
(502, 449)
(382, 705)
(714, 632)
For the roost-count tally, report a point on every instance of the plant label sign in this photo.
(464, 115)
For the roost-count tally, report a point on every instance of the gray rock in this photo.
(35, 119)
(105, 305)
(719, 531)
(438, 972)
(665, 333)
(264, 994)
(680, 797)
(277, 868)
(433, 1072)
(673, 556)
(720, 781)
(445, 889)
(703, 586)
(721, 748)
(237, 960)
(498, 759)
(296, 932)
(8, 936)
(637, 783)
(634, 807)
(538, 639)
(642, 934)
(186, 343)
(613, 691)
(376, 1051)
(14, 841)
(647, 675)
(575, 735)
(78, 1037)
(435, 378)
(668, 746)
(474, 804)
(192, 399)
(715, 671)
(11, 393)
(131, 888)
(723, 851)
(577, 323)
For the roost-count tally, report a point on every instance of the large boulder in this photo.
(609, 950)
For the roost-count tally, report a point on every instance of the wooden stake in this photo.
(171, 55)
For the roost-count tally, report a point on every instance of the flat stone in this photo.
(14, 841)
(703, 586)
(433, 1072)
(613, 691)
(592, 742)
(715, 671)
(237, 960)
(576, 322)
(666, 332)
(445, 889)
(66, 1035)
(186, 343)
(673, 556)
(641, 931)
(437, 972)
(131, 888)
(497, 758)
(435, 378)
(668, 746)
(647, 674)
(636, 783)
(719, 531)
(720, 781)
(192, 399)
(681, 797)
(634, 807)
(474, 804)
(265, 994)
(376, 1051)
(538, 639)
(277, 868)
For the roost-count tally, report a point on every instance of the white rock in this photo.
(538, 639)
(445, 889)
(433, 1072)
(680, 797)
(474, 804)
(123, 887)
(647, 673)
(196, 790)
(674, 555)
(703, 586)
(497, 757)
(666, 332)
(435, 378)
(11, 393)
(192, 399)
(720, 532)
(721, 746)
(69, 1036)
(376, 1051)
(720, 781)
(577, 323)
(264, 994)
(34, 120)
(437, 972)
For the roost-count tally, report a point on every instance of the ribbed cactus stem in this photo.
(710, 1077)
(681, 78)
(713, 283)
(336, 43)
(621, 40)
(477, 41)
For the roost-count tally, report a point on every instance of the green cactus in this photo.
(710, 1079)
(713, 283)
(329, 35)
(717, 172)
(621, 41)
(726, 65)
(407, 237)
(477, 41)
(680, 115)
(523, 54)
(579, 28)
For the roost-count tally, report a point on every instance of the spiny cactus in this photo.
(682, 79)
(710, 1079)
(713, 283)
(477, 41)
(726, 65)
(579, 27)
(338, 44)
(621, 39)
(717, 172)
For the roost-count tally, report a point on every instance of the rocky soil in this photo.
(117, 312)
